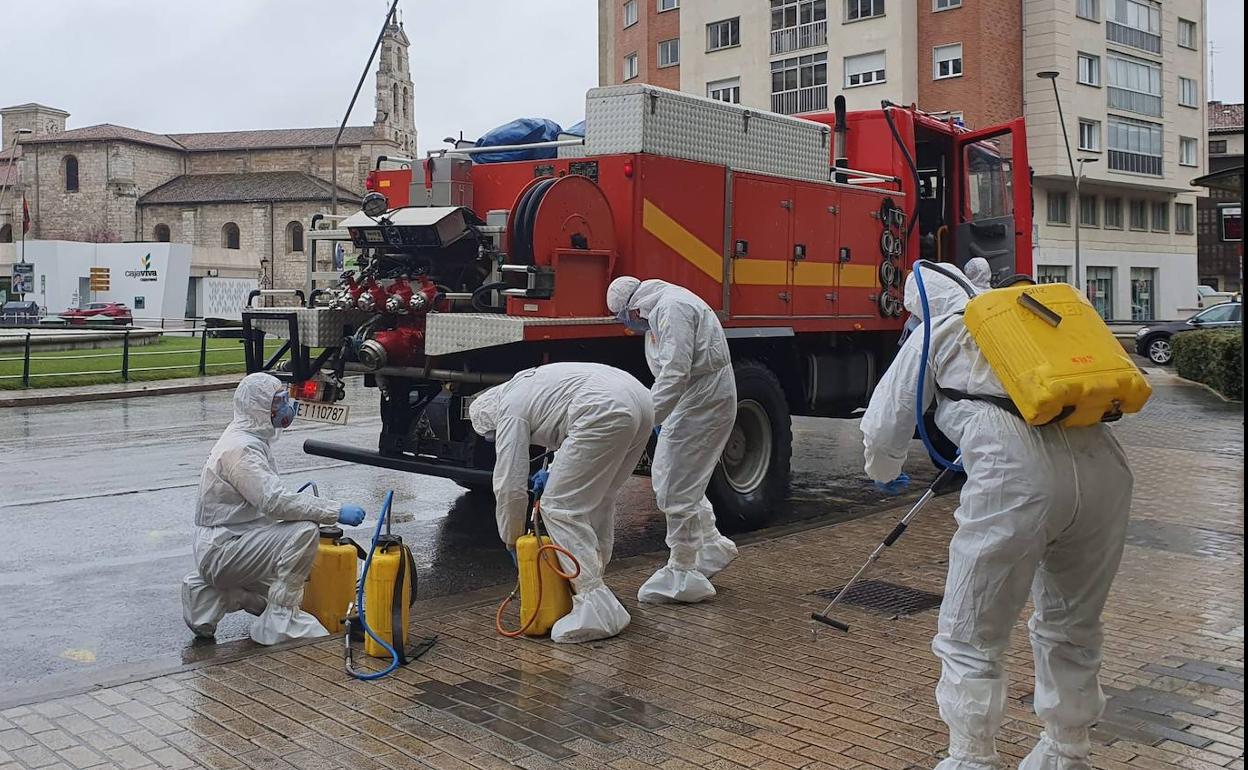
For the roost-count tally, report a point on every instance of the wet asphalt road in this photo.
(98, 509)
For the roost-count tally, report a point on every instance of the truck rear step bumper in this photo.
(352, 454)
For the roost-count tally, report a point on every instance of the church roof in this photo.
(258, 187)
(265, 139)
(1226, 118)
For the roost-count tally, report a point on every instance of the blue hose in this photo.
(359, 596)
(920, 406)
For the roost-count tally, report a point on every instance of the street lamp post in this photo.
(1052, 76)
(8, 169)
(1078, 216)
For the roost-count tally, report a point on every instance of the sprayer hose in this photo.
(541, 554)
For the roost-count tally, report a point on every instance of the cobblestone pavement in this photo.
(738, 681)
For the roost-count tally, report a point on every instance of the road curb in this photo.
(47, 399)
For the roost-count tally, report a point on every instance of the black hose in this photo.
(958, 279)
(481, 291)
(914, 169)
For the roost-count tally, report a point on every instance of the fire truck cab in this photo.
(798, 232)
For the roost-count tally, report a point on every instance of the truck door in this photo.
(762, 220)
(815, 251)
(994, 199)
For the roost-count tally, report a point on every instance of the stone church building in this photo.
(255, 191)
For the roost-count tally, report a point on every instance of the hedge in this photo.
(1214, 357)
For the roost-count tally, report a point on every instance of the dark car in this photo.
(1153, 341)
(99, 312)
(19, 313)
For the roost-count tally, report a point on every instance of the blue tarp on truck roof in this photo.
(519, 131)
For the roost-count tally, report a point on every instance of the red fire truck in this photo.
(797, 231)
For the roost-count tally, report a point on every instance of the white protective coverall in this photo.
(255, 541)
(599, 419)
(978, 272)
(695, 402)
(1043, 510)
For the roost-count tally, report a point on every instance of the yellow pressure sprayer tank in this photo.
(388, 594)
(331, 585)
(1055, 356)
(546, 599)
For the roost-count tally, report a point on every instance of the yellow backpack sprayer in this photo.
(386, 591)
(331, 584)
(543, 585)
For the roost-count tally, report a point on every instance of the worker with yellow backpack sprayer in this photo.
(599, 419)
(1022, 377)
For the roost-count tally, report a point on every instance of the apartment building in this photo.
(1219, 217)
(1129, 76)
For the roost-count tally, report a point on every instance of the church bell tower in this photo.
(396, 119)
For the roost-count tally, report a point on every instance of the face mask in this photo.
(283, 411)
(640, 325)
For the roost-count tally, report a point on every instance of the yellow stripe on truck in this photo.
(672, 235)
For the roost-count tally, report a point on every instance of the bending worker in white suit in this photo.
(599, 419)
(1044, 510)
(695, 403)
(255, 541)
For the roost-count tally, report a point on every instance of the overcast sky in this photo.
(215, 65)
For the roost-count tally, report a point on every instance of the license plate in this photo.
(334, 414)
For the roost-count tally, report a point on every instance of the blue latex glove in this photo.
(894, 487)
(537, 482)
(512, 553)
(350, 515)
(657, 428)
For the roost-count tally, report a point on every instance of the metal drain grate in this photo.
(885, 598)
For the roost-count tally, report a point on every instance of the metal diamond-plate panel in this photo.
(318, 327)
(456, 332)
(885, 598)
(643, 118)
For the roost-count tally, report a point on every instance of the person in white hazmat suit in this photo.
(695, 405)
(599, 419)
(1043, 511)
(255, 541)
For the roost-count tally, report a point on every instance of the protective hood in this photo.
(979, 273)
(619, 292)
(483, 411)
(253, 405)
(647, 295)
(944, 295)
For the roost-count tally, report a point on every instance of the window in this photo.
(1090, 135)
(1161, 216)
(229, 236)
(669, 52)
(1113, 213)
(160, 233)
(1189, 150)
(1217, 146)
(1051, 274)
(397, 95)
(1134, 85)
(799, 84)
(723, 34)
(1135, 146)
(1089, 212)
(407, 98)
(856, 10)
(1059, 208)
(294, 238)
(71, 173)
(864, 70)
(1139, 215)
(630, 13)
(1184, 218)
(944, 5)
(6, 234)
(668, 5)
(1089, 69)
(1189, 92)
(1219, 314)
(947, 61)
(1143, 279)
(1136, 23)
(630, 66)
(1100, 287)
(798, 24)
(1187, 34)
(725, 90)
(1088, 9)
(1231, 225)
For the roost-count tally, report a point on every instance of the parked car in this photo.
(1207, 296)
(1153, 341)
(96, 312)
(19, 313)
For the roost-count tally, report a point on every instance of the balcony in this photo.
(1134, 101)
(811, 99)
(802, 36)
(1135, 163)
(1124, 35)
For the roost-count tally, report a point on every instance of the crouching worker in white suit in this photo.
(1043, 512)
(599, 419)
(255, 541)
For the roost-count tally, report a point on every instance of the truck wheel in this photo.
(752, 476)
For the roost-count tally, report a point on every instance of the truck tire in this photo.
(752, 476)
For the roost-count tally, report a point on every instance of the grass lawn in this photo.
(170, 358)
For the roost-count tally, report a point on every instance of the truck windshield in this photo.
(989, 179)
